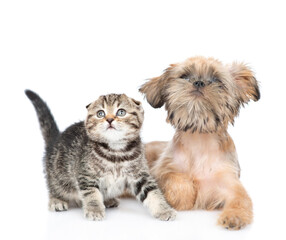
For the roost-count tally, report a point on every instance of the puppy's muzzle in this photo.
(199, 84)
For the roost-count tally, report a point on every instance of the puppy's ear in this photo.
(245, 81)
(154, 88)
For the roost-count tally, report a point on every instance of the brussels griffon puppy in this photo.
(198, 168)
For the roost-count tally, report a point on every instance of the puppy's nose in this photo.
(109, 120)
(199, 84)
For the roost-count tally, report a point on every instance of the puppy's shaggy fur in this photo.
(199, 169)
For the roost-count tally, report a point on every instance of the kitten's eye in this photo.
(100, 114)
(185, 76)
(121, 113)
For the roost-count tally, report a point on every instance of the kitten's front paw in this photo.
(94, 214)
(166, 214)
(57, 205)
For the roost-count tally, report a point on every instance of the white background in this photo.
(70, 52)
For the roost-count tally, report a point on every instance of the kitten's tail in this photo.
(48, 125)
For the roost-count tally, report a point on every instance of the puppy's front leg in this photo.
(237, 212)
(179, 190)
(147, 191)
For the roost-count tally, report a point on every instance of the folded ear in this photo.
(87, 106)
(138, 103)
(154, 88)
(247, 86)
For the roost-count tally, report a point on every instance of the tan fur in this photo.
(199, 168)
(179, 189)
(152, 149)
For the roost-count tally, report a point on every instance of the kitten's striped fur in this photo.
(95, 161)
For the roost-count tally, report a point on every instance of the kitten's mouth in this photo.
(111, 127)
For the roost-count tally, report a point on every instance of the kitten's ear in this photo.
(155, 87)
(136, 102)
(138, 105)
(88, 105)
(245, 81)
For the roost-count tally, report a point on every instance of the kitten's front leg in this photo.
(92, 199)
(147, 191)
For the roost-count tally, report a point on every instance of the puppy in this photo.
(198, 168)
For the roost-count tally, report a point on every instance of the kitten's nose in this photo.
(199, 84)
(109, 120)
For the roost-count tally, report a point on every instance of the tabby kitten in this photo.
(95, 161)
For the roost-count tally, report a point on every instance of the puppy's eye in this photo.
(121, 113)
(185, 76)
(215, 79)
(100, 114)
(218, 82)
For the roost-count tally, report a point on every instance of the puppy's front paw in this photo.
(235, 219)
(95, 214)
(166, 214)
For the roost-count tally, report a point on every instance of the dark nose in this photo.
(109, 120)
(199, 84)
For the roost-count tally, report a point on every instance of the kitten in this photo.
(95, 161)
